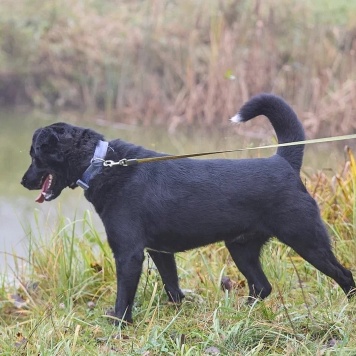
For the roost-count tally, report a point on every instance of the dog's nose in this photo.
(23, 181)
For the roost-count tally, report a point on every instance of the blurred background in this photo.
(191, 62)
(166, 75)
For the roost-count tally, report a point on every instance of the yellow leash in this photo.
(129, 162)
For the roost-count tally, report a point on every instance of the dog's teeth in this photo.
(50, 178)
(47, 195)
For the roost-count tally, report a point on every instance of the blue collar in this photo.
(96, 165)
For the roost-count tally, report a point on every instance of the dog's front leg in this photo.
(128, 271)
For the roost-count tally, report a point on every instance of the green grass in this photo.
(57, 304)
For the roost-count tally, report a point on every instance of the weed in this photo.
(60, 303)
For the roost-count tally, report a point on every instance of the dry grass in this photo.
(181, 63)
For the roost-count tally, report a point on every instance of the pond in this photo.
(21, 219)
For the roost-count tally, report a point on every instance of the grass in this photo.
(58, 304)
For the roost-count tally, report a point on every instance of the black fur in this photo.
(178, 205)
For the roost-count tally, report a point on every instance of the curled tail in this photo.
(284, 121)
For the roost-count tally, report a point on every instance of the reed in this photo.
(181, 63)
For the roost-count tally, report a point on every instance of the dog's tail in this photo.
(284, 121)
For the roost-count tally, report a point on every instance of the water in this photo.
(22, 219)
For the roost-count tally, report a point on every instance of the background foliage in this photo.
(181, 62)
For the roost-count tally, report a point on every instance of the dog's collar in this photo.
(96, 165)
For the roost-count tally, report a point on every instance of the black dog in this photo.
(177, 205)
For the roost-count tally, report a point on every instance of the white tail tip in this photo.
(236, 118)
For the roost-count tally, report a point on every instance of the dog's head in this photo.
(60, 154)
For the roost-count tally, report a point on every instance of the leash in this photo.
(130, 162)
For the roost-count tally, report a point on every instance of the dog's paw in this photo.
(351, 295)
(121, 322)
(176, 296)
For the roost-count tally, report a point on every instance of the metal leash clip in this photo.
(110, 163)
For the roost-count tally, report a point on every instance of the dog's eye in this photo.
(37, 162)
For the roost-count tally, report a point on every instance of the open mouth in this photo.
(45, 193)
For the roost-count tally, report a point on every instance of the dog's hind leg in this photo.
(167, 268)
(311, 241)
(246, 254)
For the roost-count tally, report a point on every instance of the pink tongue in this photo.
(41, 198)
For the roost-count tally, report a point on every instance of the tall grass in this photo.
(59, 304)
(181, 63)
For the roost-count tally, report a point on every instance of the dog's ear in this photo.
(48, 143)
